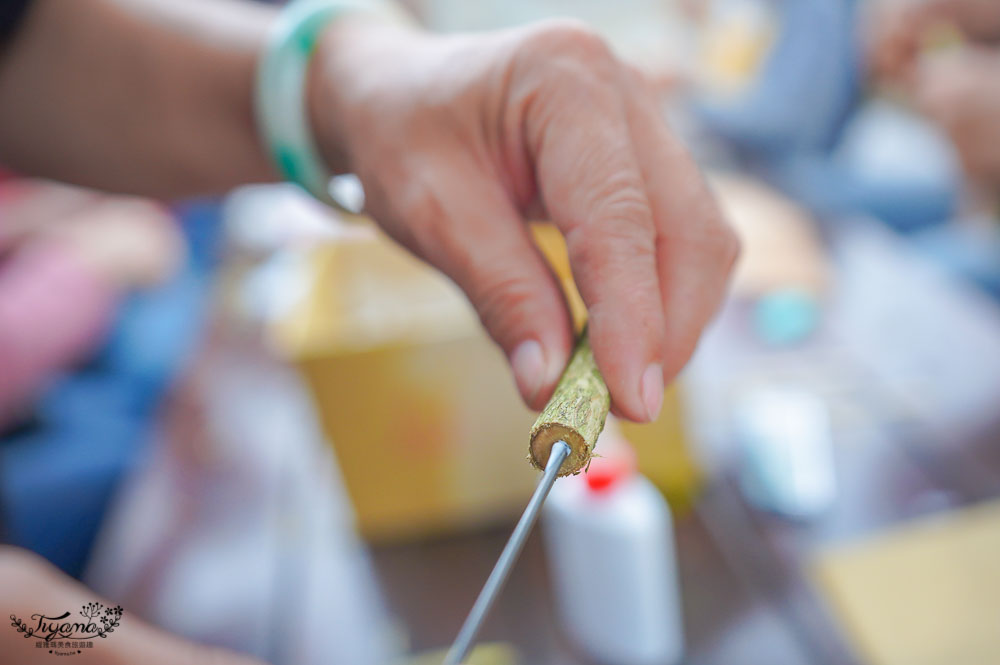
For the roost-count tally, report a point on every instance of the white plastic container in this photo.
(610, 547)
(788, 464)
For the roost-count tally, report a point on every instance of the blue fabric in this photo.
(58, 474)
(834, 191)
(788, 125)
(807, 88)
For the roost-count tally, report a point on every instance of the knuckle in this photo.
(578, 38)
(728, 244)
(615, 211)
(570, 41)
(601, 249)
(500, 295)
(712, 235)
(718, 244)
(621, 209)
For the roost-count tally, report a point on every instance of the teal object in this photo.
(786, 317)
(282, 116)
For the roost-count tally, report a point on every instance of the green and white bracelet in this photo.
(282, 116)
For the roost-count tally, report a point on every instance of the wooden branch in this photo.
(575, 414)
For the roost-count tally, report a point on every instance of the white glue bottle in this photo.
(610, 546)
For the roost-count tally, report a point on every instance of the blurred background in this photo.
(258, 423)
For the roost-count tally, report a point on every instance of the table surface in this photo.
(746, 590)
(744, 574)
(745, 586)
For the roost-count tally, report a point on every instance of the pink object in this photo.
(54, 307)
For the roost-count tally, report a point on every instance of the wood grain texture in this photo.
(575, 414)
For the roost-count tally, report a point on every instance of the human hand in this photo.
(31, 585)
(459, 139)
(130, 242)
(894, 31)
(961, 92)
(133, 242)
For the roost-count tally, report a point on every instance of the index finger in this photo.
(593, 190)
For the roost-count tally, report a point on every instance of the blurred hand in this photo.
(961, 92)
(31, 585)
(459, 139)
(895, 30)
(131, 242)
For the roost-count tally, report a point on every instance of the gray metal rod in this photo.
(494, 583)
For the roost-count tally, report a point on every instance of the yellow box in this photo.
(420, 405)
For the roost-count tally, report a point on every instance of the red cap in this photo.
(604, 473)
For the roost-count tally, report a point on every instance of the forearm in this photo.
(31, 586)
(151, 97)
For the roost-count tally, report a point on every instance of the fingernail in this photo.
(651, 390)
(528, 363)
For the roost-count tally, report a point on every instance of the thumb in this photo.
(474, 234)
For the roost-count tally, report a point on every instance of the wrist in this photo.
(299, 106)
(326, 103)
(351, 57)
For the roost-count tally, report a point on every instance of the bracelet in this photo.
(282, 116)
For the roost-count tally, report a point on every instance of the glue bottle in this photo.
(610, 546)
